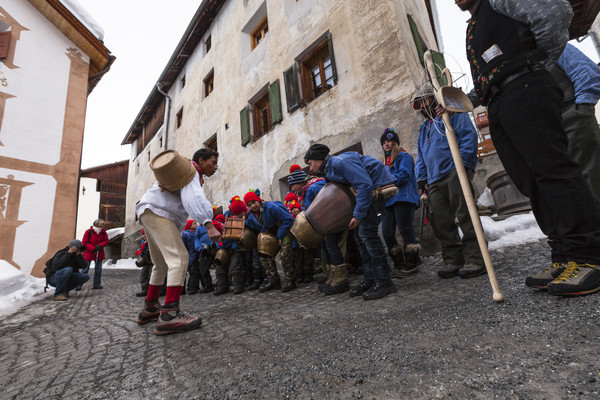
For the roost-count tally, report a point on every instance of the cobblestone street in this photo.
(432, 339)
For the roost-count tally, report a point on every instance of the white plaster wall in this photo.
(33, 120)
(37, 204)
(88, 205)
(377, 72)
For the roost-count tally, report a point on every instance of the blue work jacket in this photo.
(403, 169)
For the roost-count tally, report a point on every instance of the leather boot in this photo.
(361, 288)
(238, 282)
(249, 276)
(339, 281)
(257, 272)
(222, 280)
(273, 283)
(327, 273)
(379, 290)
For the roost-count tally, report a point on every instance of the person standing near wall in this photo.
(94, 240)
(400, 209)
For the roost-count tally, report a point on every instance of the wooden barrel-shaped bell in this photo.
(172, 170)
(222, 257)
(304, 233)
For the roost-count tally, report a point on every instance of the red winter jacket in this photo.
(90, 240)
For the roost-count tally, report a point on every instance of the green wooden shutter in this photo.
(417, 39)
(440, 64)
(245, 125)
(275, 103)
(292, 90)
(332, 57)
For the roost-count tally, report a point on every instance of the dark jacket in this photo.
(90, 240)
(64, 259)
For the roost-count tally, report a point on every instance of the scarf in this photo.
(200, 172)
(97, 229)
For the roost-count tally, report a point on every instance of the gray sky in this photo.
(143, 34)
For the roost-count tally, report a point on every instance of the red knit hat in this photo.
(189, 223)
(237, 206)
(294, 204)
(220, 218)
(295, 167)
(218, 225)
(290, 197)
(250, 196)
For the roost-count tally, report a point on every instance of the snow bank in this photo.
(18, 289)
(114, 232)
(125, 263)
(515, 230)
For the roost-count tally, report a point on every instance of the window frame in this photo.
(207, 44)
(211, 143)
(209, 83)
(179, 118)
(259, 33)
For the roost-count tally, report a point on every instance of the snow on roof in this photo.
(114, 232)
(85, 17)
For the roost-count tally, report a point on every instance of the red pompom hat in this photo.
(294, 204)
(295, 167)
(237, 206)
(189, 223)
(220, 218)
(250, 196)
(290, 197)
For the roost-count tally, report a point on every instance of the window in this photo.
(211, 143)
(313, 74)
(182, 81)
(259, 33)
(209, 83)
(179, 119)
(265, 110)
(207, 44)
(421, 46)
(262, 115)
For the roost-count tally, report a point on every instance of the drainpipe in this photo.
(167, 115)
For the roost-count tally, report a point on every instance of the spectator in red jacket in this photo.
(94, 240)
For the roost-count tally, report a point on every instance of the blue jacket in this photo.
(403, 169)
(434, 160)
(272, 212)
(583, 73)
(188, 241)
(363, 173)
(311, 192)
(201, 238)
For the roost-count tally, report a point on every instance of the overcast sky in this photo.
(143, 34)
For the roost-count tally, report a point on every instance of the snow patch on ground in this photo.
(18, 289)
(124, 263)
(512, 231)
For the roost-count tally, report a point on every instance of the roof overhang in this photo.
(75, 30)
(200, 23)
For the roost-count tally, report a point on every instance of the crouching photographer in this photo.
(62, 270)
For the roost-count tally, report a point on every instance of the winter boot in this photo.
(379, 290)
(172, 320)
(273, 281)
(222, 280)
(150, 312)
(412, 259)
(328, 276)
(238, 282)
(339, 281)
(289, 286)
(308, 266)
(361, 288)
(257, 272)
(249, 276)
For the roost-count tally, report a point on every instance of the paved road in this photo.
(435, 338)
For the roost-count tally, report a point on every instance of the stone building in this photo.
(51, 57)
(260, 81)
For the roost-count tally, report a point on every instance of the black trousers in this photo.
(527, 131)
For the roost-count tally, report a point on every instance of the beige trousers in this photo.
(168, 253)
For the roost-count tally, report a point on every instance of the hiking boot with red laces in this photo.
(172, 320)
(149, 312)
(576, 280)
(542, 279)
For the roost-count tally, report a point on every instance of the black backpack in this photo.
(49, 271)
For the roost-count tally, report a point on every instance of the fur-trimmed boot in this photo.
(339, 281)
(328, 275)
(413, 261)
